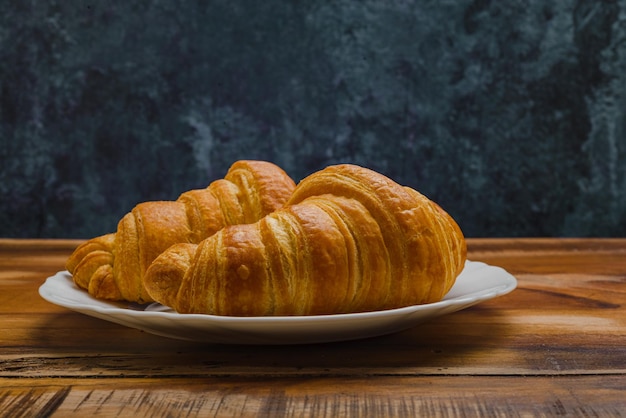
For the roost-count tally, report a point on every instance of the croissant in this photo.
(112, 266)
(348, 240)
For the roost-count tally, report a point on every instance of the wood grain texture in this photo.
(320, 397)
(554, 346)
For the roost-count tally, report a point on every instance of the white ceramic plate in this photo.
(476, 283)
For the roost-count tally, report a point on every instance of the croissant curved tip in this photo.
(89, 262)
(101, 243)
(165, 275)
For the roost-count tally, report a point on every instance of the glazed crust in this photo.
(112, 266)
(348, 240)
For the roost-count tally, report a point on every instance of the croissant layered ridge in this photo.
(348, 240)
(112, 266)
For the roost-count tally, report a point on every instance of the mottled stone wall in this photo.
(510, 114)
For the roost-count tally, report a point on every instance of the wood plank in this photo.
(551, 255)
(481, 340)
(556, 323)
(555, 346)
(331, 397)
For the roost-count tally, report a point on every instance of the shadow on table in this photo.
(85, 345)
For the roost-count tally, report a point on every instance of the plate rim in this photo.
(507, 285)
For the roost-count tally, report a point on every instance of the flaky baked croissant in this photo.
(348, 240)
(112, 266)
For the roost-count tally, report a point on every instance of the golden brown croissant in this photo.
(348, 240)
(112, 266)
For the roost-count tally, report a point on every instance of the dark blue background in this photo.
(510, 114)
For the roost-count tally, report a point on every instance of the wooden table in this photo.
(555, 346)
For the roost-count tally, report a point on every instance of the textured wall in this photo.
(510, 114)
